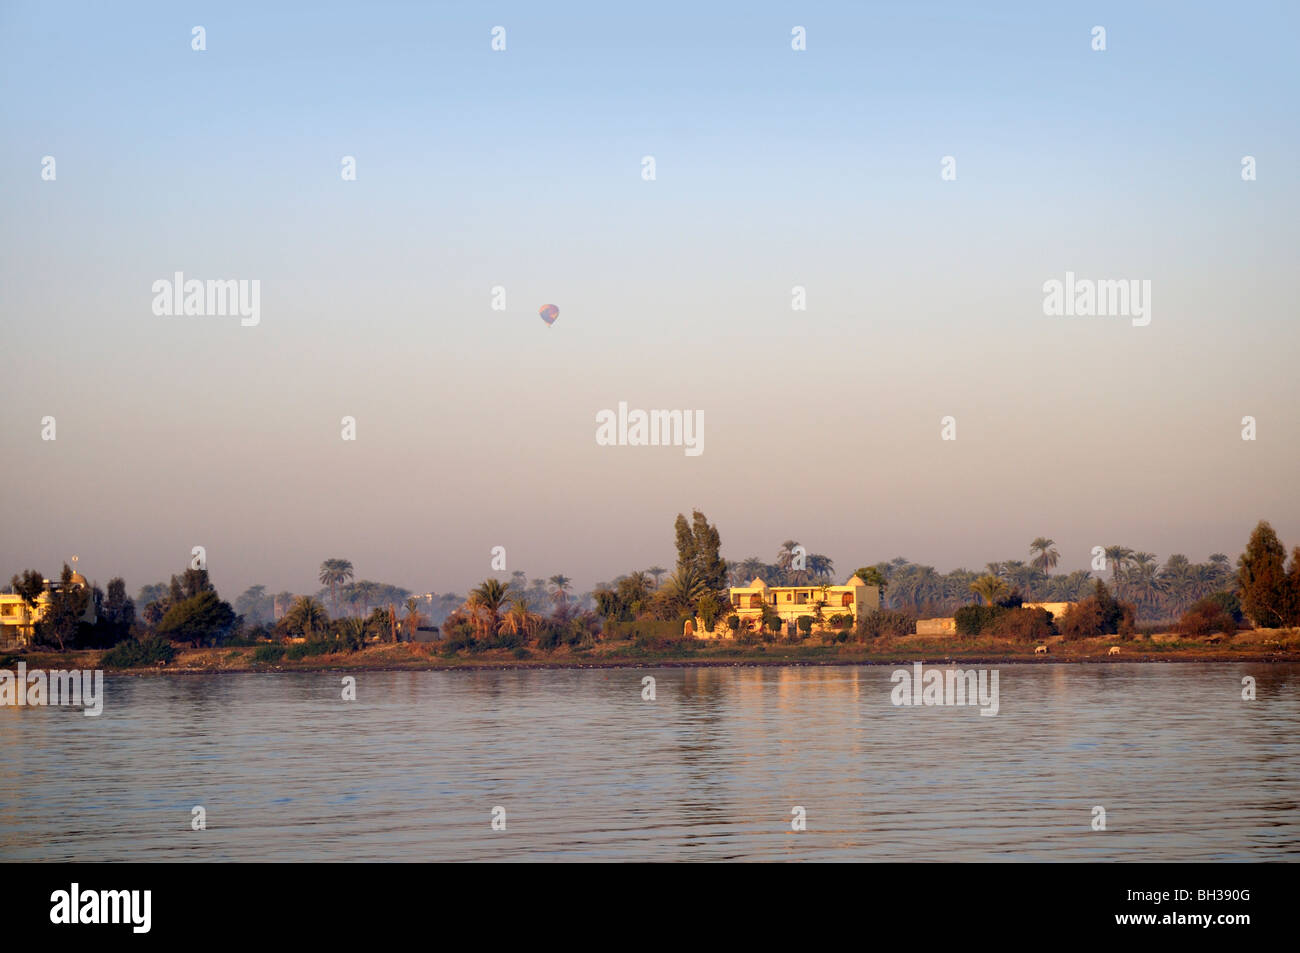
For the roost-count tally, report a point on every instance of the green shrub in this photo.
(503, 640)
(312, 648)
(459, 642)
(137, 652)
(733, 623)
(805, 624)
(268, 654)
(975, 620)
(885, 622)
(521, 652)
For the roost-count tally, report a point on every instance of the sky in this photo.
(523, 169)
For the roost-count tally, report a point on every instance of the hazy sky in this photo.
(523, 169)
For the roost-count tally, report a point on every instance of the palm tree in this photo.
(683, 589)
(352, 632)
(1143, 580)
(520, 619)
(1118, 557)
(821, 567)
(486, 601)
(1073, 587)
(956, 587)
(657, 572)
(561, 585)
(790, 574)
(334, 573)
(1179, 579)
(749, 569)
(1020, 575)
(519, 580)
(365, 591)
(413, 616)
(1047, 557)
(306, 616)
(280, 603)
(990, 587)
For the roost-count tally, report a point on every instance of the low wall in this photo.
(936, 626)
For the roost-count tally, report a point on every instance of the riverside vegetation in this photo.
(640, 617)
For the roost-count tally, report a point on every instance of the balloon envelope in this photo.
(549, 313)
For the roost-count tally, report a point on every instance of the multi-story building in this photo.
(790, 602)
(18, 619)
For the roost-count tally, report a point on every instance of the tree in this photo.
(335, 573)
(657, 572)
(561, 586)
(485, 603)
(990, 587)
(1291, 602)
(67, 606)
(821, 567)
(366, 593)
(679, 595)
(197, 619)
(1047, 557)
(118, 611)
(791, 575)
(708, 610)
(698, 545)
(151, 593)
(1262, 578)
(252, 605)
(1118, 557)
(520, 619)
(30, 584)
(280, 604)
(1177, 581)
(413, 618)
(351, 632)
(873, 576)
(307, 617)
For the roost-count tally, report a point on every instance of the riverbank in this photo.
(1260, 645)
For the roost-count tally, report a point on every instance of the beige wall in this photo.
(936, 626)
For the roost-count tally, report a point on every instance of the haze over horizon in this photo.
(774, 168)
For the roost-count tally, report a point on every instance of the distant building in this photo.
(18, 620)
(790, 602)
(943, 626)
(1057, 609)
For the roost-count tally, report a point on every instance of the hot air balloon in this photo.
(549, 313)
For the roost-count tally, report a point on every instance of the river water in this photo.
(584, 768)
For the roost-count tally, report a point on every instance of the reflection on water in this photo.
(710, 770)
